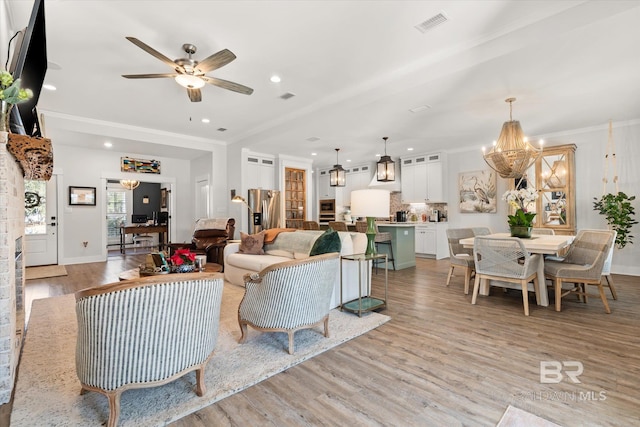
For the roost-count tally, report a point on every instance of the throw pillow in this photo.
(328, 242)
(251, 244)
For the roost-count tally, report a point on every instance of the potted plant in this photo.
(521, 222)
(619, 214)
(10, 93)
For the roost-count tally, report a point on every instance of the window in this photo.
(35, 212)
(116, 213)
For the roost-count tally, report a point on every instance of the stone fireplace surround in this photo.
(11, 268)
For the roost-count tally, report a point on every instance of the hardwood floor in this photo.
(440, 360)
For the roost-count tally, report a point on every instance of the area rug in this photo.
(47, 390)
(45, 271)
(514, 417)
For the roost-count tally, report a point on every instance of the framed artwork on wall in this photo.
(128, 164)
(82, 196)
(477, 191)
(163, 198)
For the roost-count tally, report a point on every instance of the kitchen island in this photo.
(403, 242)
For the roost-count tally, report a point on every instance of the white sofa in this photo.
(298, 245)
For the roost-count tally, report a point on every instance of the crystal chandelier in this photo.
(511, 155)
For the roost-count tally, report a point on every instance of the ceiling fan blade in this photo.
(152, 51)
(225, 84)
(194, 95)
(216, 61)
(148, 76)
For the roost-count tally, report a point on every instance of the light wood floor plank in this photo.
(440, 360)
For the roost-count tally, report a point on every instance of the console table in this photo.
(140, 229)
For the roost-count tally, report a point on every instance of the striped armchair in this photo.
(289, 296)
(146, 332)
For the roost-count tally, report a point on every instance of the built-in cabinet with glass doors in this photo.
(553, 176)
(295, 197)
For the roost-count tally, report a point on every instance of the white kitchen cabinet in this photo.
(431, 240)
(358, 178)
(325, 190)
(260, 172)
(422, 178)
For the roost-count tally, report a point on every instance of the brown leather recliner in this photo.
(210, 242)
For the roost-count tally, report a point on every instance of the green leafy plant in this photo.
(619, 214)
(521, 219)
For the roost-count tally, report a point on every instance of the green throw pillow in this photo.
(328, 242)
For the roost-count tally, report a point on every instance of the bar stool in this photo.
(383, 238)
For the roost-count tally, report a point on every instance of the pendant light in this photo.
(129, 184)
(386, 166)
(511, 155)
(337, 175)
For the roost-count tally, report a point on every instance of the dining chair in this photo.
(459, 256)
(583, 265)
(505, 261)
(310, 225)
(381, 238)
(481, 231)
(338, 226)
(542, 231)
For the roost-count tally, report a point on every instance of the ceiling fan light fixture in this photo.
(386, 169)
(512, 154)
(189, 81)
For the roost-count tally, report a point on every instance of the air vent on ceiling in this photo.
(222, 129)
(432, 22)
(287, 95)
(420, 108)
(313, 139)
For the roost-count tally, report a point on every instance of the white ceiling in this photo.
(356, 68)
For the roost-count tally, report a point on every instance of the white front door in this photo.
(41, 219)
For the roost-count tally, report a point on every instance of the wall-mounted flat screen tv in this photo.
(29, 63)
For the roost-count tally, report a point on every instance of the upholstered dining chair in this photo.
(459, 256)
(542, 231)
(505, 261)
(481, 231)
(310, 225)
(289, 296)
(381, 238)
(338, 225)
(582, 265)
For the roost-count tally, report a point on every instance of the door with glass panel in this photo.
(118, 205)
(41, 219)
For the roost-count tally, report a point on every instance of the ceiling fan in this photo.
(190, 73)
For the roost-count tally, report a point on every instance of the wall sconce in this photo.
(337, 175)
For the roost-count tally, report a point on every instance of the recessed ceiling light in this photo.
(275, 79)
(108, 144)
(48, 86)
(206, 121)
(314, 154)
(313, 139)
(348, 160)
(378, 154)
(410, 149)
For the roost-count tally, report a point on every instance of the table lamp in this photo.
(371, 204)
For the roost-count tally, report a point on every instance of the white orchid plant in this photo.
(519, 199)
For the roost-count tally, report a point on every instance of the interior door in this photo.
(202, 198)
(41, 218)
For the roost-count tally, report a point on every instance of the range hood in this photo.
(393, 186)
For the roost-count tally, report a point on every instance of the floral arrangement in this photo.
(182, 257)
(10, 90)
(519, 199)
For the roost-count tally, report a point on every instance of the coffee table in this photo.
(134, 273)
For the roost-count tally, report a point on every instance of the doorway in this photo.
(41, 218)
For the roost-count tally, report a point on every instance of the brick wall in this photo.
(11, 228)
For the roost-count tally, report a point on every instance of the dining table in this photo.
(551, 244)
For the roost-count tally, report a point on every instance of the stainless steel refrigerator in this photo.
(265, 209)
